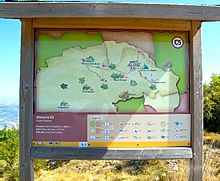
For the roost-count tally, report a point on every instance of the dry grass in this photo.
(166, 170)
(180, 171)
(211, 164)
(212, 139)
(106, 170)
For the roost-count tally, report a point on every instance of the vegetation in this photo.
(106, 170)
(53, 170)
(162, 170)
(212, 104)
(9, 153)
(165, 170)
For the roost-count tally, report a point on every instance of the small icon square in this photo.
(83, 144)
(107, 124)
(107, 138)
(120, 130)
(92, 137)
(177, 130)
(177, 123)
(135, 130)
(107, 130)
(121, 137)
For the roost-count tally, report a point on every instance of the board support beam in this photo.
(196, 102)
(110, 154)
(26, 100)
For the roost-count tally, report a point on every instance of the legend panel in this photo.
(138, 130)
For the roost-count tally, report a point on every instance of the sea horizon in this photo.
(9, 112)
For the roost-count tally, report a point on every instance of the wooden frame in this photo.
(197, 106)
(111, 154)
(26, 99)
(123, 10)
(115, 15)
(193, 153)
(113, 23)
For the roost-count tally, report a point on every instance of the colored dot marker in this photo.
(92, 123)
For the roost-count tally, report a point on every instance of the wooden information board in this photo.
(110, 81)
(84, 102)
(111, 88)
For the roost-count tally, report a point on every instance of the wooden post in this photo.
(196, 102)
(26, 100)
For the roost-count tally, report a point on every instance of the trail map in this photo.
(112, 75)
(111, 88)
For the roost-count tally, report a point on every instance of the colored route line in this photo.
(94, 72)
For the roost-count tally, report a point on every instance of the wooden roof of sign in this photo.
(90, 9)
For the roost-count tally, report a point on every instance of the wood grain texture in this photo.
(110, 11)
(110, 154)
(85, 9)
(113, 23)
(26, 100)
(196, 102)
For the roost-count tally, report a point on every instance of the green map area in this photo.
(177, 57)
(131, 105)
(48, 47)
(82, 72)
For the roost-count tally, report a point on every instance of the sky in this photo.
(10, 36)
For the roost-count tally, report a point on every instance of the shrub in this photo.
(9, 153)
(212, 104)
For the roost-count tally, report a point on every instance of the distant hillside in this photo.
(8, 112)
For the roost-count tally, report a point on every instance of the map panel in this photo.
(111, 71)
(111, 88)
